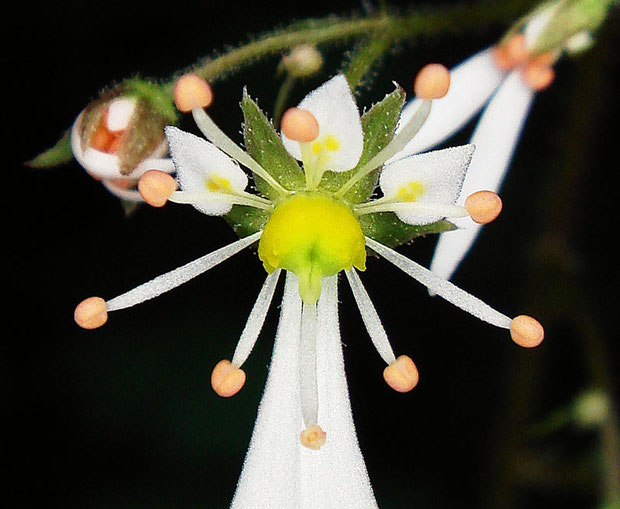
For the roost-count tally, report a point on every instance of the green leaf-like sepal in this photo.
(59, 154)
(378, 124)
(246, 220)
(265, 146)
(385, 227)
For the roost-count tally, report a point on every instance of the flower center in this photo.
(313, 235)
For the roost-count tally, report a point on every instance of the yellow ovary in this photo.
(312, 235)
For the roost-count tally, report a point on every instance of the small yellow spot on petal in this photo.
(91, 313)
(317, 147)
(402, 375)
(156, 187)
(227, 379)
(331, 143)
(192, 92)
(313, 437)
(483, 206)
(411, 191)
(526, 331)
(217, 184)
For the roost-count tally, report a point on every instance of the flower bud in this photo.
(120, 135)
(303, 61)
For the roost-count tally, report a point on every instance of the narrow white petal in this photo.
(495, 138)
(471, 85)
(199, 163)
(438, 174)
(177, 277)
(370, 317)
(122, 192)
(334, 108)
(256, 320)
(279, 472)
(442, 287)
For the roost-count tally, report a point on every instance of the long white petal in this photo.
(495, 138)
(279, 472)
(471, 85)
(177, 277)
(442, 287)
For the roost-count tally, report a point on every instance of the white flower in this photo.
(505, 78)
(304, 451)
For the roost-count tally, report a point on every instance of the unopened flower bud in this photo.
(303, 61)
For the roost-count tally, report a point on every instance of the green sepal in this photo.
(60, 153)
(153, 94)
(246, 220)
(378, 124)
(265, 146)
(386, 228)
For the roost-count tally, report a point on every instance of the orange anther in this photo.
(512, 53)
(483, 206)
(402, 375)
(501, 58)
(299, 125)
(156, 187)
(538, 77)
(432, 82)
(101, 139)
(527, 332)
(91, 313)
(192, 92)
(227, 379)
(313, 437)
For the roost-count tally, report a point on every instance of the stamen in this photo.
(442, 287)
(227, 379)
(432, 82)
(256, 319)
(370, 317)
(443, 209)
(398, 143)
(299, 125)
(216, 136)
(313, 437)
(239, 198)
(483, 206)
(91, 313)
(538, 76)
(177, 277)
(402, 374)
(527, 332)
(307, 365)
(192, 92)
(156, 187)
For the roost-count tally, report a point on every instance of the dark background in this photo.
(124, 416)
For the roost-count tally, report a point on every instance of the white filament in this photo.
(370, 317)
(307, 365)
(442, 287)
(177, 277)
(256, 320)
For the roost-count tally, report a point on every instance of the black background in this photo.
(124, 416)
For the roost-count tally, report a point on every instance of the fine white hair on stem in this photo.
(442, 287)
(256, 319)
(471, 85)
(496, 136)
(370, 317)
(180, 275)
(280, 472)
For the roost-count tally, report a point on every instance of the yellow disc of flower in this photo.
(313, 235)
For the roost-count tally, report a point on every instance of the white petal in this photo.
(279, 472)
(471, 85)
(122, 192)
(197, 161)
(335, 110)
(120, 111)
(495, 137)
(440, 174)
